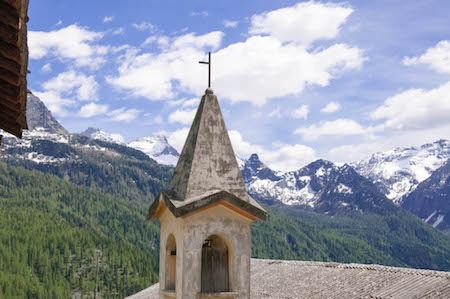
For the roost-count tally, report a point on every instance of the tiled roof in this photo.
(13, 65)
(273, 279)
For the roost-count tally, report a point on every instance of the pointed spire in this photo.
(208, 166)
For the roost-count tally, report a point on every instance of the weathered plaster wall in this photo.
(170, 225)
(190, 234)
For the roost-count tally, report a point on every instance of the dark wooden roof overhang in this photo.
(179, 209)
(13, 65)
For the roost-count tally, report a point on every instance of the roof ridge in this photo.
(373, 267)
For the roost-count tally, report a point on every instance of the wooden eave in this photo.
(224, 198)
(13, 65)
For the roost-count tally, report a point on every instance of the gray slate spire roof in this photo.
(207, 172)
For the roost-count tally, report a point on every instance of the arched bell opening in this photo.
(171, 263)
(215, 265)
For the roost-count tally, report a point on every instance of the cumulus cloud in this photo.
(66, 89)
(230, 24)
(178, 138)
(108, 19)
(276, 112)
(331, 107)
(185, 103)
(118, 31)
(202, 13)
(178, 61)
(75, 85)
(184, 117)
(145, 26)
(92, 109)
(124, 114)
(425, 109)
(303, 23)
(72, 43)
(337, 128)
(301, 112)
(263, 67)
(55, 102)
(47, 68)
(282, 157)
(437, 58)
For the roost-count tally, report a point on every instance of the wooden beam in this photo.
(9, 15)
(9, 34)
(10, 77)
(8, 111)
(10, 52)
(10, 102)
(15, 130)
(13, 3)
(9, 65)
(7, 88)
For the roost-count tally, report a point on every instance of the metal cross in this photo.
(209, 68)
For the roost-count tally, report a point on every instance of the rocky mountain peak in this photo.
(38, 116)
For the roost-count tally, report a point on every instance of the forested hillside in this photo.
(57, 239)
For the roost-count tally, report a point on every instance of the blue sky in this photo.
(297, 80)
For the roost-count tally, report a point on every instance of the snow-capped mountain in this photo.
(157, 148)
(320, 186)
(102, 135)
(398, 172)
(431, 199)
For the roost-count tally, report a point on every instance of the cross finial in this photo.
(209, 68)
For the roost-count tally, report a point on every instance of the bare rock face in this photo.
(431, 199)
(38, 116)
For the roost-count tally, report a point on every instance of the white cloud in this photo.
(255, 70)
(75, 85)
(337, 128)
(47, 68)
(272, 69)
(301, 112)
(145, 26)
(177, 62)
(269, 68)
(192, 102)
(331, 107)
(56, 103)
(118, 31)
(276, 112)
(73, 43)
(66, 89)
(59, 23)
(230, 24)
(415, 109)
(303, 23)
(438, 57)
(124, 114)
(185, 103)
(202, 13)
(108, 19)
(184, 117)
(178, 138)
(283, 157)
(92, 109)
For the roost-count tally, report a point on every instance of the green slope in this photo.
(53, 234)
(52, 231)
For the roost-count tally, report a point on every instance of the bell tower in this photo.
(205, 215)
